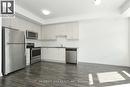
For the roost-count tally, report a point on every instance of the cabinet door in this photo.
(60, 30)
(27, 56)
(49, 54)
(72, 30)
(48, 32)
(18, 23)
(75, 29)
(61, 54)
(53, 54)
(69, 31)
(6, 22)
(44, 54)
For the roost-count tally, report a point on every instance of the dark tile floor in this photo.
(46, 74)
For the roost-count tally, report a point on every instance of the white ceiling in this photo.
(63, 8)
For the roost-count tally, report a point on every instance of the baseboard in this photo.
(104, 64)
(50, 60)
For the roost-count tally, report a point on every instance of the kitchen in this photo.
(52, 43)
(78, 47)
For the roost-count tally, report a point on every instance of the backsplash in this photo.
(61, 41)
(38, 43)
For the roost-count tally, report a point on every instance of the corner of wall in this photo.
(0, 47)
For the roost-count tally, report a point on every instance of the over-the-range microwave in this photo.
(31, 35)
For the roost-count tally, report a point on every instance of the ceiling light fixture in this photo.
(46, 12)
(97, 2)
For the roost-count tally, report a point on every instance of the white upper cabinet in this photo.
(72, 30)
(60, 29)
(6, 22)
(49, 32)
(69, 30)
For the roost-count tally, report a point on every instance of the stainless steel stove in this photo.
(35, 55)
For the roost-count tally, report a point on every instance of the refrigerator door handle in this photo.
(16, 43)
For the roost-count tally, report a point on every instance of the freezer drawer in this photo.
(71, 55)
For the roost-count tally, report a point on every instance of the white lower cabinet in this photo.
(27, 56)
(53, 55)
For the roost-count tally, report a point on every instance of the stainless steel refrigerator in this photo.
(13, 50)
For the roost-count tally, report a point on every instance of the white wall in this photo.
(104, 41)
(0, 47)
(129, 36)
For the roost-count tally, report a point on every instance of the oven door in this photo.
(35, 55)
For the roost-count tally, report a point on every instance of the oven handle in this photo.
(35, 48)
